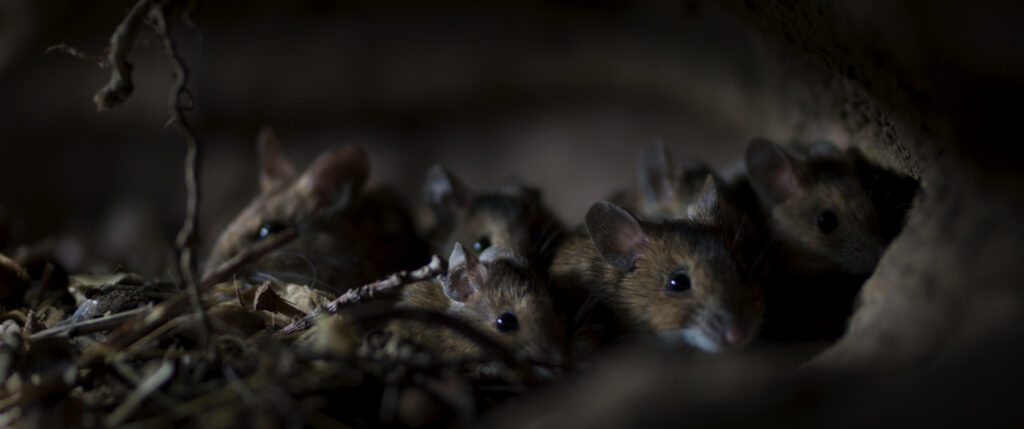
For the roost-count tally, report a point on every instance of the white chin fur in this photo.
(694, 337)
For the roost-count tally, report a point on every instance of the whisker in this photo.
(312, 267)
(296, 278)
(549, 235)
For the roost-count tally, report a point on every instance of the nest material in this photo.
(62, 365)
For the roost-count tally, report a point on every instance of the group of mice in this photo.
(683, 258)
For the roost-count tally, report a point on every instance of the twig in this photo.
(120, 86)
(187, 241)
(90, 326)
(386, 287)
(80, 54)
(134, 330)
(228, 268)
(156, 380)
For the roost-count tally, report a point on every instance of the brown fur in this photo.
(513, 217)
(347, 237)
(507, 287)
(663, 190)
(825, 179)
(639, 298)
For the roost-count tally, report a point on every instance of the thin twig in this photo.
(187, 241)
(128, 407)
(90, 326)
(386, 287)
(228, 268)
(134, 330)
(120, 86)
(80, 54)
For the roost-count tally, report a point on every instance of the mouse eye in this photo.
(507, 322)
(481, 244)
(679, 281)
(268, 229)
(827, 221)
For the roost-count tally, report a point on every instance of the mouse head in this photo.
(290, 199)
(500, 296)
(817, 207)
(679, 279)
(511, 217)
(665, 191)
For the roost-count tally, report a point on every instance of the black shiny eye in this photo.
(268, 229)
(827, 221)
(481, 244)
(679, 281)
(507, 322)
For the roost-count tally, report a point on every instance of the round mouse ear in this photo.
(706, 208)
(616, 234)
(336, 176)
(772, 173)
(465, 275)
(445, 193)
(275, 170)
(655, 173)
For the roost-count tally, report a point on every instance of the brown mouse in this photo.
(347, 237)
(497, 293)
(818, 215)
(676, 280)
(512, 217)
(663, 190)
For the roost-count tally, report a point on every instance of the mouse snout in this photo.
(734, 336)
(542, 354)
(545, 362)
(865, 256)
(731, 329)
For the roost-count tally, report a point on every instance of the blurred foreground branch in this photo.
(386, 287)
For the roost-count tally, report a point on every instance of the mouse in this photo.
(663, 190)
(513, 217)
(496, 292)
(821, 231)
(818, 217)
(347, 237)
(677, 281)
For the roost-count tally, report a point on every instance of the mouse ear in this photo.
(772, 173)
(465, 275)
(445, 193)
(275, 170)
(655, 173)
(616, 234)
(707, 206)
(336, 176)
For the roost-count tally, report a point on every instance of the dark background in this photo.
(560, 93)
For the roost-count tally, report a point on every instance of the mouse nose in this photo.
(731, 329)
(733, 335)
